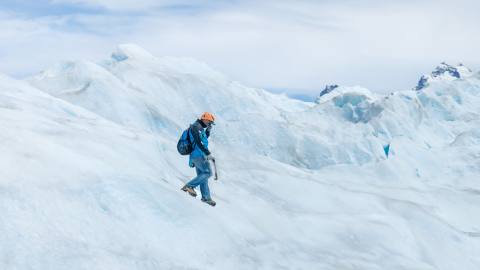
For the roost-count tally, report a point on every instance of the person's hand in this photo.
(210, 157)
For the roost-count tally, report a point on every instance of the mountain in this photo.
(91, 177)
(443, 72)
(328, 88)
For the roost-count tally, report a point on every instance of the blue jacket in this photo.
(199, 133)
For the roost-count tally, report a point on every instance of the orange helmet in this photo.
(207, 116)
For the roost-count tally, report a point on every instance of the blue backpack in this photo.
(184, 145)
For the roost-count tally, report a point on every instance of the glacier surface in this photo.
(91, 177)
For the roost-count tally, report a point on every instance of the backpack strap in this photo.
(189, 130)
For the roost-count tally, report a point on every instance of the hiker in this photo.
(200, 157)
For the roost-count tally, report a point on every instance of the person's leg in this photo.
(205, 190)
(202, 167)
(198, 179)
(205, 172)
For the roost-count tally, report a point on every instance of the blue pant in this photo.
(204, 172)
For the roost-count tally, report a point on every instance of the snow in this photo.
(91, 178)
(444, 72)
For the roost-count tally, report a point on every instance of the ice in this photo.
(131, 51)
(91, 178)
(444, 72)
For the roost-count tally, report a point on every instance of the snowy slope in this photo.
(91, 176)
(168, 94)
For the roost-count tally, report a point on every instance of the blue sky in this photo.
(296, 46)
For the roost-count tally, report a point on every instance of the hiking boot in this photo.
(209, 201)
(190, 190)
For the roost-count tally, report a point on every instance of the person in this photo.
(200, 157)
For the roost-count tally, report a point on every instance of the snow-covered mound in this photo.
(444, 72)
(349, 125)
(163, 95)
(91, 176)
(169, 93)
(357, 104)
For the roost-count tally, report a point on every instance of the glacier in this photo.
(91, 177)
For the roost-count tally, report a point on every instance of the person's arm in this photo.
(196, 138)
(208, 131)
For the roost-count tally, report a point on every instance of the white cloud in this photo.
(29, 45)
(275, 44)
(129, 5)
(384, 48)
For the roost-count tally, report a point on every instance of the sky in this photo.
(292, 46)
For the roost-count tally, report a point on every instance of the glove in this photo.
(210, 157)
